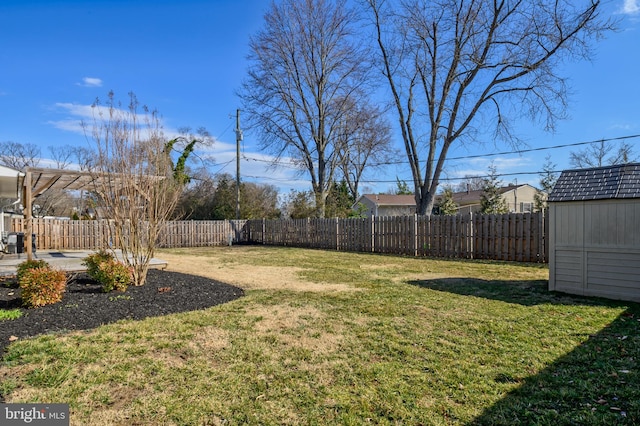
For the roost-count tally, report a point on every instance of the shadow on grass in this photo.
(526, 293)
(597, 383)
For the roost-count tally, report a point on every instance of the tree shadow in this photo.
(597, 383)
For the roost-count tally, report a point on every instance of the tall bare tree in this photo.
(307, 68)
(137, 182)
(602, 153)
(454, 67)
(367, 144)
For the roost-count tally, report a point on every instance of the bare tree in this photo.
(602, 153)
(19, 156)
(62, 155)
(470, 183)
(137, 183)
(83, 157)
(307, 68)
(366, 144)
(454, 67)
(53, 202)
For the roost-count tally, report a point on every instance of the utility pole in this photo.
(238, 139)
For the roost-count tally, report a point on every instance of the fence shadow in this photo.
(525, 292)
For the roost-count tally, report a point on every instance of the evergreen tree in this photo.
(402, 187)
(299, 205)
(224, 199)
(447, 206)
(548, 180)
(339, 201)
(491, 201)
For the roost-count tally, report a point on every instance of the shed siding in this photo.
(612, 223)
(568, 226)
(568, 265)
(596, 248)
(613, 275)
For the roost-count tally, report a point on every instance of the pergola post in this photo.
(28, 216)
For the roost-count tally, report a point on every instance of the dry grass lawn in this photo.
(323, 337)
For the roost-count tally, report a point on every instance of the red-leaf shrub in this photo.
(42, 286)
(113, 275)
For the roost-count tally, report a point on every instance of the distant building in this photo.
(387, 205)
(519, 199)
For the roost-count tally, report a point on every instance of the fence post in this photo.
(471, 236)
(415, 235)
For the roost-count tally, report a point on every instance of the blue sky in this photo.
(187, 59)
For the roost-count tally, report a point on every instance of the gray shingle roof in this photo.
(620, 181)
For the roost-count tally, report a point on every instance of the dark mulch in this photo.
(85, 306)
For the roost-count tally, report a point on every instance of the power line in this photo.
(395, 181)
(545, 148)
(468, 157)
(374, 181)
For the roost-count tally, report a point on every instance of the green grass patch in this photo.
(10, 314)
(408, 341)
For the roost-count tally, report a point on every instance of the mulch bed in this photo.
(85, 306)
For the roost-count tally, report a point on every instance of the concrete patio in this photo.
(67, 260)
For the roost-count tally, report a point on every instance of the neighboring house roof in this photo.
(389, 200)
(600, 183)
(466, 198)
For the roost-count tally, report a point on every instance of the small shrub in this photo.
(93, 261)
(42, 286)
(28, 265)
(113, 275)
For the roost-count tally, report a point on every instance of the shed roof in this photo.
(600, 183)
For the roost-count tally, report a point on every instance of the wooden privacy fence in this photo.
(60, 234)
(511, 237)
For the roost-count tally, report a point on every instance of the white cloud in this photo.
(630, 7)
(621, 126)
(80, 111)
(74, 126)
(75, 115)
(90, 82)
(254, 166)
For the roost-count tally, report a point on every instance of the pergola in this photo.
(10, 189)
(34, 181)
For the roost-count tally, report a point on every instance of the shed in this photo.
(594, 232)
